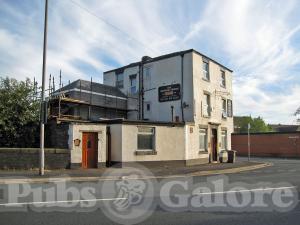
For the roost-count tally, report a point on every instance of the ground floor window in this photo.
(224, 139)
(202, 139)
(146, 138)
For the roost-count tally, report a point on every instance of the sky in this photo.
(258, 39)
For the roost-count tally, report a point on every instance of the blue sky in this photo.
(259, 40)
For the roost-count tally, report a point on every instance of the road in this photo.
(283, 175)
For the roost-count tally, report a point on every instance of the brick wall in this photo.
(28, 158)
(268, 144)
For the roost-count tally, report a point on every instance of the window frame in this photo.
(147, 77)
(224, 111)
(205, 72)
(152, 133)
(118, 81)
(223, 73)
(229, 108)
(208, 105)
(131, 78)
(148, 106)
(224, 145)
(205, 134)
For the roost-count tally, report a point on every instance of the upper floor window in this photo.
(205, 68)
(147, 78)
(229, 108)
(132, 79)
(206, 105)
(120, 80)
(223, 79)
(224, 111)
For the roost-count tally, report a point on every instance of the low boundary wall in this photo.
(28, 158)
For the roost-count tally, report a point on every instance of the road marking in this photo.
(250, 190)
(66, 201)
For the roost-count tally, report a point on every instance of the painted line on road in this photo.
(87, 179)
(250, 190)
(58, 202)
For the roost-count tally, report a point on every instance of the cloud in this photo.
(254, 38)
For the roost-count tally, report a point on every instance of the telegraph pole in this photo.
(43, 113)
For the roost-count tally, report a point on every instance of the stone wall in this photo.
(28, 158)
(56, 135)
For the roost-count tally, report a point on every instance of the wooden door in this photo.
(214, 144)
(89, 150)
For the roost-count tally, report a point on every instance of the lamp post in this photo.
(42, 112)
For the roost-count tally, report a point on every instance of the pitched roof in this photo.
(168, 56)
(96, 87)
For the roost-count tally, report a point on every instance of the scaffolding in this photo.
(63, 107)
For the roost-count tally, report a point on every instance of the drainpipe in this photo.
(108, 141)
(181, 97)
(141, 90)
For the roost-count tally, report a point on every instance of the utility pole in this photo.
(249, 126)
(42, 119)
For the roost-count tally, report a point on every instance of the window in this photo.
(205, 68)
(224, 139)
(148, 106)
(223, 79)
(132, 79)
(229, 108)
(147, 78)
(224, 111)
(119, 80)
(203, 139)
(206, 105)
(146, 138)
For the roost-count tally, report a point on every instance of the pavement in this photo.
(159, 172)
(280, 175)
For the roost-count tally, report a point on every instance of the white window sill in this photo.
(203, 151)
(145, 152)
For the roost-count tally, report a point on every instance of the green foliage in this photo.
(257, 124)
(19, 113)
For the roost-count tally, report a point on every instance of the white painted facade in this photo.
(76, 131)
(194, 89)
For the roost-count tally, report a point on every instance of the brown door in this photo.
(214, 143)
(89, 150)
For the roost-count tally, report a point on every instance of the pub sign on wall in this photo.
(169, 93)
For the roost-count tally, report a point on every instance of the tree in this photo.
(256, 124)
(19, 114)
(297, 114)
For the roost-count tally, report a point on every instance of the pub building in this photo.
(170, 109)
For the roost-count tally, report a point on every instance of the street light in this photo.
(42, 112)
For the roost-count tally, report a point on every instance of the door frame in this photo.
(86, 161)
(214, 144)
